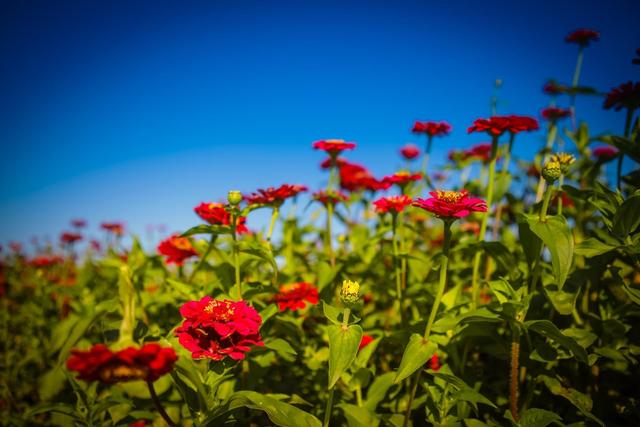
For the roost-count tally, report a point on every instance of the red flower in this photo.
(478, 152)
(553, 114)
(147, 363)
(95, 245)
(553, 88)
(79, 223)
(354, 177)
(522, 124)
(394, 204)
(533, 171)
(141, 423)
(627, 95)
(333, 146)
(451, 204)
(176, 249)
(216, 329)
(326, 163)
(582, 36)
(401, 178)
(331, 197)
(216, 214)
(116, 228)
(69, 238)
(494, 126)
(432, 128)
(410, 151)
(566, 200)
(274, 196)
(605, 154)
(365, 341)
(470, 226)
(434, 363)
(294, 295)
(44, 261)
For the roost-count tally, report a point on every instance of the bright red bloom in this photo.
(79, 223)
(553, 88)
(431, 128)
(480, 152)
(333, 146)
(141, 423)
(216, 329)
(434, 363)
(605, 153)
(451, 204)
(553, 114)
(522, 124)
(116, 228)
(494, 126)
(410, 151)
(394, 204)
(365, 341)
(354, 177)
(627, 95)
(326, 163)
(582, 36)
(274, 196)
(216, 214)
(293, 296)
(401, 178)
(44, 261)
(176, 249)
(147, 363)
(69, 238)
(331, 197)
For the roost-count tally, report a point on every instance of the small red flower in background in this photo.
(216, 329)
(365, 341)
(582, 36)
(355, 177)
(519, 124)
(434, 363)
(627, 95)
(333, 146)
(470, 226)
(410, 151)
(393, 204)
(293, 296)
(44, 261)
(274, 196)
(605, 154)
(116, 228)
(329, 197)
(553, 114)
(176, 249)
(438, 176)
(79, 223)
(147, 363)
(494, 126)
(216, 214)
(141, 423)
(553, 88)
(566, 200)
(451, 204)
(432, 128)
(401, 178)
(326, 163)
(533, 171)
(95, 245)
(15, 247)
(480, 152)
(69, 238)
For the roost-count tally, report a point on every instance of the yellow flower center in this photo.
(334, 141)
(182, 243)
(225, 314)
(450, 196)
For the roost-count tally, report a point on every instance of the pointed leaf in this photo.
(415, 355)
(343, 348)
(557, 236)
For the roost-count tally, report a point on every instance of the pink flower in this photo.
(605, 153)
(451, 204)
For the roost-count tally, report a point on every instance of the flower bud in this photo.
(565, 160)
(234, 197)
(551, 171)
(350, 292)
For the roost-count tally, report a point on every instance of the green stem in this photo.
(212, 240)
(403, 261)
(627, 129)
(576, 78)
(159, 407)
(545, 204)
(425, 160)
(328, 240)
(274, 217)
(398, 270)
(236, 254)
(551, 138)
(560, 184)
(359, 395)
(329, 408)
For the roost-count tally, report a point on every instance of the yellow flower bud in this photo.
(350, 292)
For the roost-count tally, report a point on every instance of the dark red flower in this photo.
(451, 204)
(553, 114)
(480, 152)
(553, 88)
(140, 423)
(627, 95)
(582, 36)
(401, 178)
(329, 197)
(365, 341)
(431, 128)
(69, 238)
(176, 249)
(326, 163)
(494, 126)
(434, 363)
(116, 228)
(533, 171)
(355, 177)
(410, 151)
(605, 153)
(147, 363)
(274, 196)
(79, 223)
(293, 296)
(216, 329)
(44, 261)
(393, 204)
(519, 124)
(333, 146)
(217, 214)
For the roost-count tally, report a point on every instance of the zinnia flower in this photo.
(176, 249)
(410, 151)
(451, 204)
(480, 152)
(216, 214)
(333, 146)
(401, 178)
(116, 228)
(216, 329)
(393, 204)
(365, 341)
(553, 88)
(326, 163)
(494, 126)
(79, 223)
(44, 261)
(355, 177)
(293, 296)
(605, 153)
(431, 128)
(519, 124)
(434, 363)
(147, 363)
(329, 197)
(274, 196)
(69, 238)
(627, 95)
(582, 36)
(553, 114)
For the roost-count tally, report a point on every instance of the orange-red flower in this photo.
(116, 228)
(176, 249)
(69, 238)
(554, 114)
(451, 204)
(627, 95)
(355, 177)
(494, 126)
(147, 363)
(216, 329)
(216, 214)
(329, 197)
(401, 178)
(274, 196)
(365, 341)
(410, 151)
(393, 204)
(605, 153)
(294, 296)
(333, 146)
(431, 128)
(582, 36)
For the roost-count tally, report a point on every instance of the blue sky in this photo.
(137, 111)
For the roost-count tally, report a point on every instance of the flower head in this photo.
(553, 114)
(401, 178)
(349, 292)
(355, 177)
(234, 197)
(68, 238)
(79, 223)
(605, 153)
(176, 249)
(494, 126)
(451, 204)
(432, 128)
(627, 95)
(582, 36)
(480, 152)
(216, 329)
(393, 204)
(329, 197)
(410, 151)
(519, 124)
(217, 214)
(551, 171)
(294, 295)
(553, 88)
(365, 341)
(274, 196)
(45, 261)
(115, 228)
(99, 363)
(434, 363)
(564, 159)
(333, 146)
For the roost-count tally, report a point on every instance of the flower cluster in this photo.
(217, 214)
(274, 196)
(451, 204)
(393, 204)
(115, 228)
(177, 249)
(294, 295)
(431, 128)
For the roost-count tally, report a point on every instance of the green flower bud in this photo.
(350, 292)
(551, 171)
(234, 197)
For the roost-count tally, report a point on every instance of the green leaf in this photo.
(280, 413)
(503, 256)
(557, 236)
(415, 355)
(627, 217)
(207, 229)
(343, 348)
(280, 346)
(549, 330)
(359, 416)
(378, 390)
(577, 399)
(335, 314)
(563, 302)
(257, 249)
(593, 247)
(60, 408)
(531, 244)
(535, 417)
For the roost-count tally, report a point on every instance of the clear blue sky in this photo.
(137, 111)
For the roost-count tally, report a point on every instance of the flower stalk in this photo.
(398, 268)
(159, 407)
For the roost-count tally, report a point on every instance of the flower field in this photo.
(494, 291)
